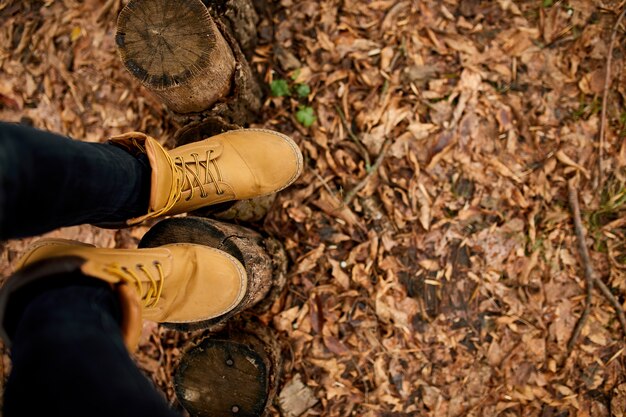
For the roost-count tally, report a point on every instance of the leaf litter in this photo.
(449, 283)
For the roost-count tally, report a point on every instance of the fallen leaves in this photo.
(449, 284)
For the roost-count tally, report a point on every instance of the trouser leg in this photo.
(69, 358)
(49, 181)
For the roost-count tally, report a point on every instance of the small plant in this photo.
(302, 90)
(280, 88)
(305, 115)
(585, 110)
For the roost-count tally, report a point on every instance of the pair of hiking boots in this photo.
(176, 283)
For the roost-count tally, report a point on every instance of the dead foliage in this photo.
(443, 277)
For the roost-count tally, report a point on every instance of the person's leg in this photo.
(70, 312)
(49, 181)
(69, 358)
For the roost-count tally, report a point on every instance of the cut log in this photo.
(234, 373)
(263, 258)
(243, 103)
(177, 52)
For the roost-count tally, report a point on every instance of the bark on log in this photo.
(240, 18)
(242, 105)
(263, 258)
(176, 50)
(234, 373)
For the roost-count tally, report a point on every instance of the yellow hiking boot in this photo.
(177, 283)
(236, 165)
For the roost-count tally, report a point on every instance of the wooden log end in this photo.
(234, 373)
(163, 43)
(175, 49)
(242, 104)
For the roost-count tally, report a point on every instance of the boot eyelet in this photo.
(156, 263)
(139, 266)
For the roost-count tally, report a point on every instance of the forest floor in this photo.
(434, 267)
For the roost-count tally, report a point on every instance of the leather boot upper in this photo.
(236, 165)
(176, 283)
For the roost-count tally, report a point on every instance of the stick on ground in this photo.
(373, 169)
(584, 255)
(355, 139)
(590, 279)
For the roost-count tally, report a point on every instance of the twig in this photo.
(605, 96)
(366, 390)
(324, 182)
(590, 279)
(355, 139)
(613, 301)
(584, 255)
(352, 193)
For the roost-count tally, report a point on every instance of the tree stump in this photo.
(263, 258)
(188, 59)
(176, 50)
(234, 373)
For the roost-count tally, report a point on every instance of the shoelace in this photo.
(153, 293)
(191, 172)
(175, 192)
(186, 175)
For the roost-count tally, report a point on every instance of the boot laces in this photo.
(155, 286)
(191, 174)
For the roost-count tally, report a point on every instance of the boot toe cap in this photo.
(273, 159)
(216, 285)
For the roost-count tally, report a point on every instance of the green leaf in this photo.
(303, 90)
(547, 3)
(305, 116)
(296, 74)
(280, 88)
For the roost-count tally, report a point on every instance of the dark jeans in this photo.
(67, 350)
(49, 181)
(69, 359)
